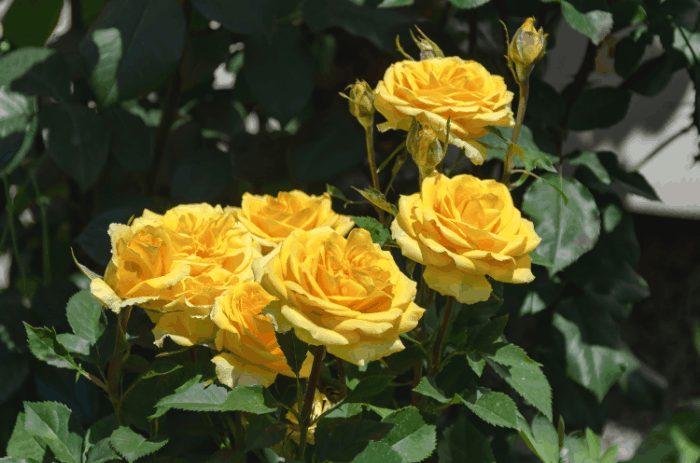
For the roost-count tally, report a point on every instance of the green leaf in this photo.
(201, 176)
(347, 440)
(411, 437)
(132, 445)
(262, 431)
(378, 199)
(214, 398)
(381, 411)
(469, 4)
(76, 139)
(668, 440)
(368, 387)
(395, 3)
(31, 22)
(54, 424)
(36, 71)
(632, 182)
(546, 439)
(488, 334)
(130, 141)
(498, 139)
(589, 159)
(626, 14)
(567, 232)
(653, 76)
(575, 447)
(495, 408)
(380, 234)
(97, 443)
(590, 17)
(539, 260)
(522, 374)
(45, 347)
(132, 47)
(687, 43)
(22, 444)
(476, 363)
(280, 71)
(427, 388)
(86, 316)
(598, 108)
(18, 126)
(293, 348)
(240, 16)
(629, 52)
(462, 442)
(378, 451)
(594, 367)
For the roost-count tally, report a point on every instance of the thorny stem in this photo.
(309, 398)
(369, 138)
(437, 352)
(121, 347)
(522, 105)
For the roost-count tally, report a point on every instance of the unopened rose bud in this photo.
(428, 48)
(526, 49)
(361, 102)
(424, 146)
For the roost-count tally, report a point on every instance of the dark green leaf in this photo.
(347, 440)
(539, 260)
(653, 76)
(45, 347)
(97, 442)
(86, 316)
(132, 47)
(36, 72)
(262, 431)
(411, 436)
(667, 440)
(476, 362)
(380, 234)
(294, 349)
(545, 439)
(427, 388)
(18, 126)
(201, 176)
(130, 141)
(395, 3)
(598, 108)
(280, 71)
(378, 451)
(687, 43)
(480, 310)
(31, 22)
(629, 51)
(76, 139)
(462, 442)
(495, 408)
(95, 241)
(590, 17)
(132, 445)
(22, 444)
(55, 425)
(589, 159)
(626, 14)
(214, 398)
(633, 182)
(368, 387)
(567, 232)
(240, 16)
(488, 334)
(468, 4)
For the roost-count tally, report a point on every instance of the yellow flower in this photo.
(250, 353)
(462, 229)
(175, 266)
(450, 87)
(270, 220)
(320, 405)
(345, 294)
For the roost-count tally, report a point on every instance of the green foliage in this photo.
(380, 234)
(132, 445)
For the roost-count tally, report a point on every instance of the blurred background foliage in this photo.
(153, 103)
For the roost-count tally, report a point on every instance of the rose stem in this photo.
(522, 104)
(369, 138)
(437, 352)
(114, 372)
(341, 378)
(309, 398)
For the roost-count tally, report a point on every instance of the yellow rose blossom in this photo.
(320, 405)
(175, 266)
(462, 229)
(450, 87)
(270, 220)
(246, 338)
(345, 294)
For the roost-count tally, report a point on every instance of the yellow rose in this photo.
(345, 294)
(250, 353)
(320, 405)
(175, 266)
(462, 229)
(270, 220)
(450, 87)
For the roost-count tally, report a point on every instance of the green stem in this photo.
(13, 233)
(46, 255)
(309, 399)
(522, 105)
(437, 352)
(212, 430)
(369, 139)
(114, 373)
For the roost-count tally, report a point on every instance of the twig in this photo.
(309, 399)
(369, 139)
(437, 352)
(663, 145)
(341, 378)
(522, 105)
(121, 345)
